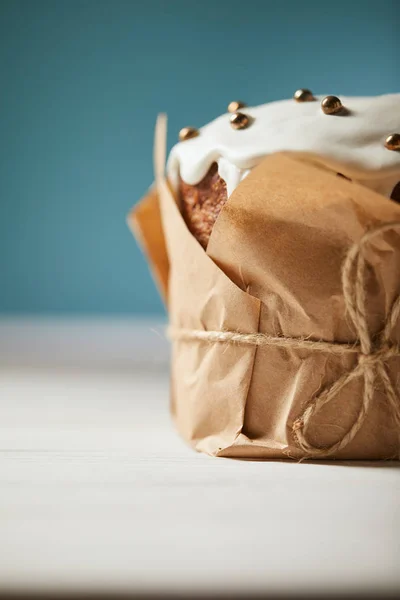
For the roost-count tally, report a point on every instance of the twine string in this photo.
(372, 357)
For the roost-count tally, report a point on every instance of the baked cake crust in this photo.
(202, 203)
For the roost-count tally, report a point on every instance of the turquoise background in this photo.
(81, 83)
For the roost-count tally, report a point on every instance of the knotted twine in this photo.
(372, 355)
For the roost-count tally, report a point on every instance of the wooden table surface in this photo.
(98, 493)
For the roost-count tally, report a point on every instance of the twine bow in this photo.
(372, 355)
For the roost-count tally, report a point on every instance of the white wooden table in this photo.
(98, 493)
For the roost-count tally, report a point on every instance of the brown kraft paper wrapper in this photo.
(304, 265)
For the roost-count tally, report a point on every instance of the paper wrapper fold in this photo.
(275, 266)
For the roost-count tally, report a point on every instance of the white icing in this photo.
(355, 141)
(230, 174)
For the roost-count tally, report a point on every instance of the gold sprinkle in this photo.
(239, 120)
(331, 105)
(188, 133)
(303, 96)
(235, 106)
(392, 142)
